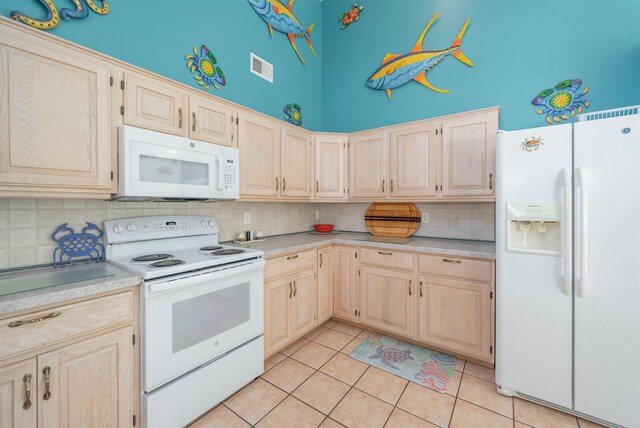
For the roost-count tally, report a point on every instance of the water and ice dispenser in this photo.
(535, 227)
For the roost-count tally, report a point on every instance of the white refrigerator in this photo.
(568, 266)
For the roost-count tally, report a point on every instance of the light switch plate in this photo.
(425, 217)
(317, 215)
(247, 217)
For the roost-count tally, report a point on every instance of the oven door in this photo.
(153, 164)
(197, 317)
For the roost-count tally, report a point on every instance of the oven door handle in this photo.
(196, 278)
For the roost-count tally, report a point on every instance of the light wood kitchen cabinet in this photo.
(455, 315)
(305, 302)
(330, 166)
(296, 163)
(412, 161)
(55, 130)
(153, 104)
(89, 383)
(277, 316)
(344, 282)
(259, 144)
(468, 155)
(386, 300)
(325, 284)
(368, 165)
(19, 395)
(212, 121)
(81, 374)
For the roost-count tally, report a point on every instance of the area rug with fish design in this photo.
(412, 362)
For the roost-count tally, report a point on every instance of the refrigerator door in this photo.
(533, 302)
(607, 267)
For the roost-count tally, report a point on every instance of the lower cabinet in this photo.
(456, 315)
(325, 284)
(344, 282)
(90, 380)
(386, 300)
(291, 309)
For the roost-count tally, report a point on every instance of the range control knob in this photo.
(132, 227)
(211, 223)
(118, 228)
(203, 223)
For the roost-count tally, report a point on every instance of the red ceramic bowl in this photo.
(323, 228)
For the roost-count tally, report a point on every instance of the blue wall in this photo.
(156, 35)
(519, 47)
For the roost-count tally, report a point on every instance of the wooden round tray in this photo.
(400, 219)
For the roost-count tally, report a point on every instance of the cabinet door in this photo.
(91, 383)
(344, 282)
(277, 314)
(325, 284)
(412, 161)
(468, 155)
(296, 164)
(305, 302)
(386, 300)
(211, 121)
(368, 165)
(15, 381)
(154, 104)
(455, 315)
(330, 166)
(55, 131)
(259, 144)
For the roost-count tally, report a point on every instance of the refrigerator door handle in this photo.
(584, 231)
(568, 244)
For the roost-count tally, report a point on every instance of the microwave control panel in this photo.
(230, 173)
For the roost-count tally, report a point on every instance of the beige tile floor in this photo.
(315, 383)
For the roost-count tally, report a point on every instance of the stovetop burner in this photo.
(166, 263)
(227, 252)
(151, 257)
(211, 248)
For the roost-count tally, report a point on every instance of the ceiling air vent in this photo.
(261, 68)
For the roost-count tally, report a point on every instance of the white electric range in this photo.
(202, 313)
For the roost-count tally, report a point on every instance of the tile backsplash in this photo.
(26, 225)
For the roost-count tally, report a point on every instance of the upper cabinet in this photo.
(412, 161)
(330, 166)
(296, 164)
(368, 165)
(259, 144)
(468, 155)
(55, 121)
(160, 106)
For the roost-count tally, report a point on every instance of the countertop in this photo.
(103, 276)
(279, 245)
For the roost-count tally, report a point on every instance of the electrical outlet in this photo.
(247, 217)
(425, 217)
(317, 215)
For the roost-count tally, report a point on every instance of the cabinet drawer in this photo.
(479, 270)
(387, 258)
(286, 265)
(73, 320)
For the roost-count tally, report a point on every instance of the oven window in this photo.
(201, 318)
(156, 169)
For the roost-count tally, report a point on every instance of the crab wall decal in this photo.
(532, 144)
(350, 16)
(561, 100)
(84, 245)
(204, 67)
(293, 114)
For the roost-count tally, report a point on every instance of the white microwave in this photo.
(157, 166)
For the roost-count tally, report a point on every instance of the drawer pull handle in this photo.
(193, 124)
(15, 324)
(290, 290)
(410, 284)
(391, 184)
(317, 187)
(452, 261)
(490, 181)
(385, 253)
(321, 260)
(27, 391)
(47, 382)
(292, 257)
(277, 184)
(180, 117)
(421, 295)
(295, 289)
(284, 184)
